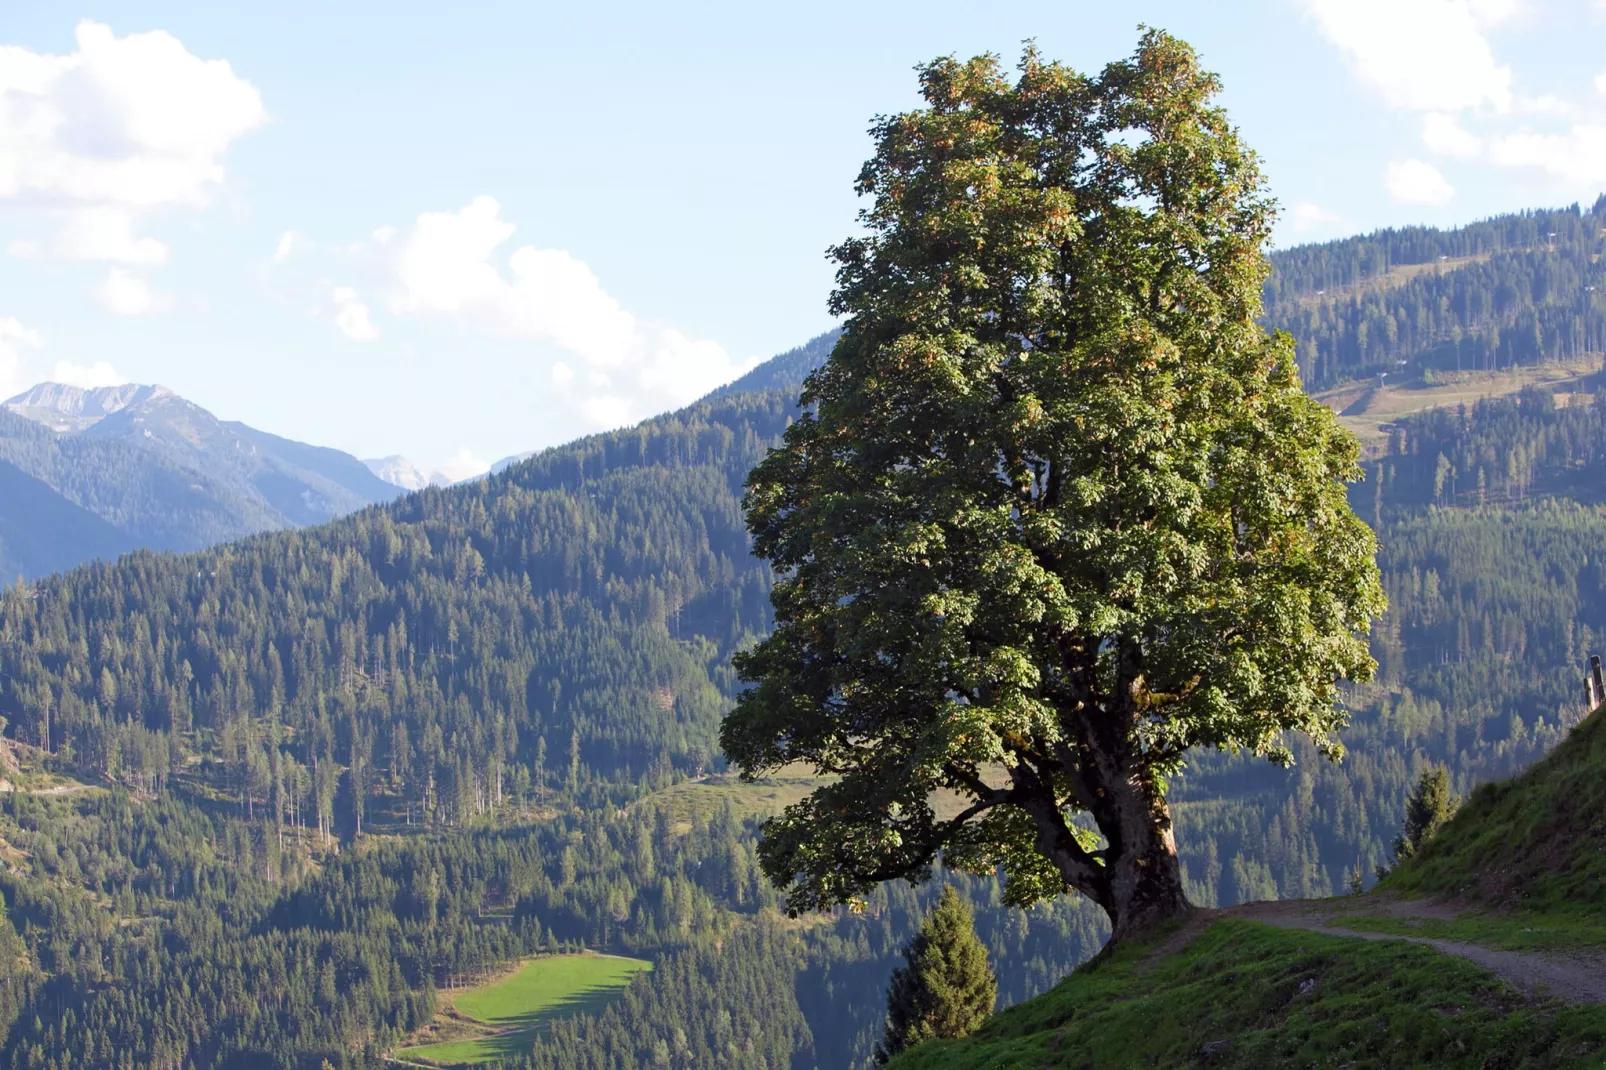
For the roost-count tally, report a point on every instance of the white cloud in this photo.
(98, 139)
(88, 376)
(1424, 55)
(290, 243)
(464, 464)
(14, 338)
(105, 233)
(351, 315)
(1305, 217)
(126, 294)
(1600, 82)
(447, 265)
(1493, 12)
(1577, 155)
(1441, 133)
(1416, 182)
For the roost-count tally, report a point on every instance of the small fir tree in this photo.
(1428, 809)
(946, 987)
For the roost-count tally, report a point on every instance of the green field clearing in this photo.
(761, 798)
(1392, 403)
(499, 1019)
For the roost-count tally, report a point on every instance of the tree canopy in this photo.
(1058, 510)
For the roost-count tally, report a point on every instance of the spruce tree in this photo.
(1428, 809)
(946, 987)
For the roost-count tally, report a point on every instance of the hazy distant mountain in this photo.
(41, 531)
(398, 471)
(511, 460)
(159, 472)
(72, 408)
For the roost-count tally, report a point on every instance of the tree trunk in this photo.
(1137, 877)
(1144, 875)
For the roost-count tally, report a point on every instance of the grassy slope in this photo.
(514, 1007)
(1532, 845)
(1382, 407)
(1528, 856)
(1247, 995)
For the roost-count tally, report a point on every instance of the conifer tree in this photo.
(946, 987)
(1428, 809)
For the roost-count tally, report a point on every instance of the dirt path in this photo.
(1576, 977)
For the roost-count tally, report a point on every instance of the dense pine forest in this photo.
(1516, 289)
(340, 770)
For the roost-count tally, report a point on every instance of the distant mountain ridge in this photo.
(139, 466)
(71, 408)
(401, 472)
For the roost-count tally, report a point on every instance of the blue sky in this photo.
(457, 231)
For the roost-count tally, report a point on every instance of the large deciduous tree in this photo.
(1057, 509)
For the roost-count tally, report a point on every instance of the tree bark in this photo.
(1136, 878)
(1144, 875)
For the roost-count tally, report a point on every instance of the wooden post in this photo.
(1597, 684)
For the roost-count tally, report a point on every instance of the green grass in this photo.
(1249, 995)
(1533, 845)
(1519, 930)
(518, 1006)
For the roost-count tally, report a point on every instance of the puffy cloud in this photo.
(1577, 155)
(447, 264)
(97, 139)
(1494, 12)
(1416, 182)
(464, 464)
(1305, 217)
(290, 244)
(1425, 55)
(126, 294)
(351, 315)
(14, 338)
(1441, 133)
(105, 233)
(88, 376)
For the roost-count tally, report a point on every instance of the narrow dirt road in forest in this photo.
(1573, 977)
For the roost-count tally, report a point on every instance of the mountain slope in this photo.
(154, 500)
(40, 531)
(1230, 992)
(785, 371)
(1535, 843)
(166, 473)
(1515, 289)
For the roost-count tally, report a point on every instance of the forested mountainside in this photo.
(353, 764)
(1514, 289)
(492, 668)
(161, 472)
